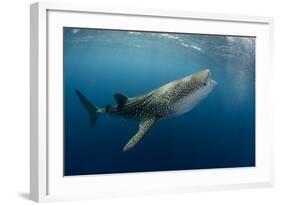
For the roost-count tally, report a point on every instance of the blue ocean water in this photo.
(217, 133)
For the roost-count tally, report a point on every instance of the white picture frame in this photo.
(47, 182)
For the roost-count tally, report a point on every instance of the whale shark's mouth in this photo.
(209, 79)
(214, 83)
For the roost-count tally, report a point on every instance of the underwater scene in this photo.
(141, 101)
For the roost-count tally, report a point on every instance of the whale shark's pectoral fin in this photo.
(120, 99)
(144, 126)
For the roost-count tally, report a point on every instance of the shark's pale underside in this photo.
(174, 98)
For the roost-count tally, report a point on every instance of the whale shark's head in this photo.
(203, 80)
(204, 84)
(199, 82)
(192, 90)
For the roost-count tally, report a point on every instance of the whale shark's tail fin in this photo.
(92, 110)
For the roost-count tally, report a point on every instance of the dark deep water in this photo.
(217, 133)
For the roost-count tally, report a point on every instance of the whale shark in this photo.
(172, 99)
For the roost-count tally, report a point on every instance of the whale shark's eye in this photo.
(205, 84)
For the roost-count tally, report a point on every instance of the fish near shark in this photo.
(174, 98)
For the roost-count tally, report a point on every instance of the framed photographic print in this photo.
(127, 102)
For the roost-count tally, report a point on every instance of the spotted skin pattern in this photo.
(171, 99)
(163, 102)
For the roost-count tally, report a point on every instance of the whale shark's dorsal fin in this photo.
(144, 126)
(120, 99)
